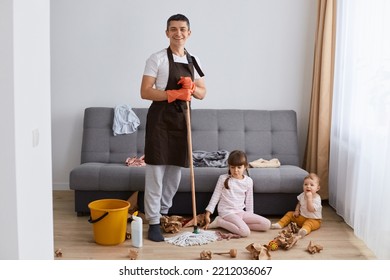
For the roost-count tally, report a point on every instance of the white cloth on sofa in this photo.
(125, 120)
(264, 163)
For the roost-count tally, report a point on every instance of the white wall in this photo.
(256, 54)
(26, 215)
(7, 163)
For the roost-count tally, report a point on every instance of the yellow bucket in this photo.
(109, 219)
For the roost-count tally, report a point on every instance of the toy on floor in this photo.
(273, 245)
(207, 254)
(232, 253)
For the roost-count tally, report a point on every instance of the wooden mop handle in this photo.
(189, 140)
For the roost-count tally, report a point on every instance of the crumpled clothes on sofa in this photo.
(134, 161)
(210, 159)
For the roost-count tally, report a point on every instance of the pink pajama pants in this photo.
(242, 223)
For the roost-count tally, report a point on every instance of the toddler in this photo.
(308, 212)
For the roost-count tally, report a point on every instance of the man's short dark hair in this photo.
(178, 17)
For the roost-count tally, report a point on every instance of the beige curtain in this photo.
(317, 147)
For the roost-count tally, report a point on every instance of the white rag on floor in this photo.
(125, 120)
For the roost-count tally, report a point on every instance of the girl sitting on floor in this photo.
(234, 196)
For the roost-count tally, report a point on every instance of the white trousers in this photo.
(161, 184)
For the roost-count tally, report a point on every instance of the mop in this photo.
(198, 236)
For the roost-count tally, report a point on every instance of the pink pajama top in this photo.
(236, 199)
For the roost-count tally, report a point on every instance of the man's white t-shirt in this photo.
(157, 66)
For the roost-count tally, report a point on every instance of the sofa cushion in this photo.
(94, 176)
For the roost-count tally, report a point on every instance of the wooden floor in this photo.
(74, 236)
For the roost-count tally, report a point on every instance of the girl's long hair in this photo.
(236, 158)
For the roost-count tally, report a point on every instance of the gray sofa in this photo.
(261, 134)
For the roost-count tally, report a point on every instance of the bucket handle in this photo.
(98, 219)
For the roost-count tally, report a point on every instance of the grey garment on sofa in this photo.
(210, 159)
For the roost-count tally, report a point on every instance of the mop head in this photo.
(191, 238)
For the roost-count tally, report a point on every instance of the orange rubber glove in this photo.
(187, 83)
(181, 94)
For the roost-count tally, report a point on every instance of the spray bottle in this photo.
(136, 230)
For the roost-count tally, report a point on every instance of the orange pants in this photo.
(303, 222)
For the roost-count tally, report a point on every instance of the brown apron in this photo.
(166, 130)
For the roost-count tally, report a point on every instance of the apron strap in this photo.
(192, 60)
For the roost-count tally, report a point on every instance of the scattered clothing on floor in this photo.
(227, 236)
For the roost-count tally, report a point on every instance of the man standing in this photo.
(171, 77)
